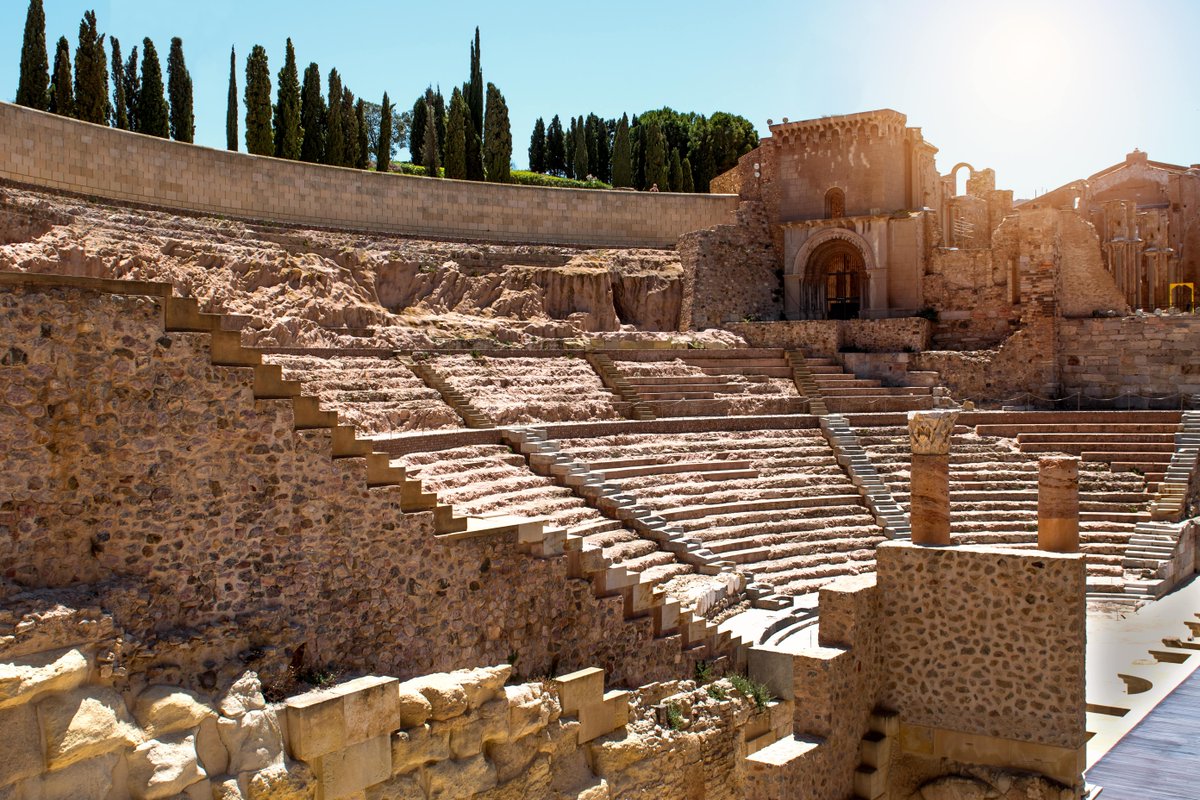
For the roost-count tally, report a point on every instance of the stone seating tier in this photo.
(521, 390)
(773, 502)
(377, 394)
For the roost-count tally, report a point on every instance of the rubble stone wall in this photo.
(1147, 356)
(60, 153)
(826, 338)
(211, 531)
(730, 273)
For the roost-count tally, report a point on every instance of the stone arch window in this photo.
(835, 203)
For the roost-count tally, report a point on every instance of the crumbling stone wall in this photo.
(827, 337)
(731, 273)
(216, 537)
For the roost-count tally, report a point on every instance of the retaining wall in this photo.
(52, 151)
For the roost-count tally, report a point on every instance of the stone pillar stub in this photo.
(1058, 503)
(929, 434)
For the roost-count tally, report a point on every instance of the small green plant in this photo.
(758, 692)
(716, 691)
(675, 720)
(319, 677)
(703, 671)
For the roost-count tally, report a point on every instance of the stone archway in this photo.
(832, 274)
(954, 177)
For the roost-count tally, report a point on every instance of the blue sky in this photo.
(1043, 92)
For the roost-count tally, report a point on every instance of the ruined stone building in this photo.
(1147, 215)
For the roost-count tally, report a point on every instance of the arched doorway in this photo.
(835, 278)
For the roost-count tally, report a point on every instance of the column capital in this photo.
(929, 431)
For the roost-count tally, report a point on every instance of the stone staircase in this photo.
(875, 493)
(471, 416)
(774, 503)
(805, 384)
(683, 383)
(1173, 490)
(843, 392)
(618, 383)
(875, 755)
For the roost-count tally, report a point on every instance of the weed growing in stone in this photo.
(758, 692)
(675, 720)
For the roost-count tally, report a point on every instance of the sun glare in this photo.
(1020, 68)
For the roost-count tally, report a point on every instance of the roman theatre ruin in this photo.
(329, 484)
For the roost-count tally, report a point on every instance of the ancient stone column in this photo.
(1058, 503)
(929, 433)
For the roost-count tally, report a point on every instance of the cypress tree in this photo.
(622, 157)
(288, 135)
(429, 149)
(231, 105)
(62, 99)
(349, 129)
(260, 140)
(556, 148)
(312, 117)
(676, 172)
(179, 88)
(133, 91)
(383, 145)
(537, 147)
(335, 135)
(688, 185)
(363, 161)
(581, 151)
(456, 136)
(603, 166)
(474, 92)
(474, 152)
(569, 148)
(416, 133)
(120, 107)
(497, 138)
(656, 157)
(91, 73)
(153, 116)
(439, 118)
(33, 85)
(591, 128)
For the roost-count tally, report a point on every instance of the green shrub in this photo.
(526, 178)
(703, 671)
(716, 691)
(758, 692)
(675, 720)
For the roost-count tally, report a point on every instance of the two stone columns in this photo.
(1058, 503)
(929, 433)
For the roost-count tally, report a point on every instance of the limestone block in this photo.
(286, 781)
(616, 756)
(345, 772)
(399, 787)
(372, 707)
(418, 746)
(200, 790)
(254, 741)
(528, 710)
(446, 695)
(22, 751)
(466, 737)
(163, 710)
(83, 724)
(211, 751)
(513, 758)
(414, 708)
(493, 716)
(456, 779)
(244, 695)
(929, 431)
(55, 671)
(579, 689)
(228, 789)
(316, 724)
(483, 683)
(163, 768)
(91, 779)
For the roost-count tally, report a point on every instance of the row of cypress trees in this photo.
(137, 103)
(472, 139)
(664, 148)
(303, 124)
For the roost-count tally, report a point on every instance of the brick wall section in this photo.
(59, 153)
(135, 467)
(731, 272)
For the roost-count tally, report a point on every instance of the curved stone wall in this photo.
(48, 150)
